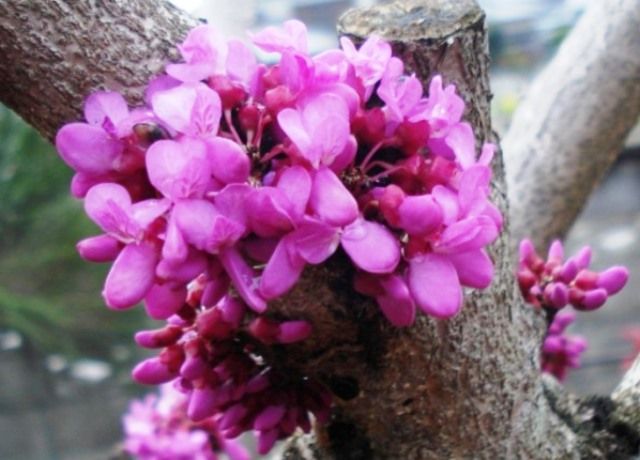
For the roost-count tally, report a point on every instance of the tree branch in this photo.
(574, 120)
(54, 53)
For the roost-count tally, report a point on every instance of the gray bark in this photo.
(469, 387)
(574, 120)
(55, 52)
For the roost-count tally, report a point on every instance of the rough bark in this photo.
(440, 389)
(574, 120)
(464, 388)
(54, 53)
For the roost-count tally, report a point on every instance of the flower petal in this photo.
(475, 268)
(295, 183)
(109, 206)
(163, 300)
(229, 162)
(105, 105)
(434, 284)
(371, 246)
(397, 303)
(244, 279)
(315, 241)
(331, 200)
(131, 276)
(88, 149)
(281, 272)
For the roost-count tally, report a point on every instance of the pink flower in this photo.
(205, 53)
(291, 37)
(560, 351)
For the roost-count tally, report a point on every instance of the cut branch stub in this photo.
(54, 53)
(439, 389)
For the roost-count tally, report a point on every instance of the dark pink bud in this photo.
(278, 98)
(212, 325)
(593, 299)
(526, 280)
(269, 418)
(201, 404)
(586, 279)
(293, 331)
(369, 126)
(233, 310)
(556, 294)
(390, 201)
(214, 290)
(266, 440)
(264, 330)
(158, 338)
(258, 383)
(102, 248)
(230, 94)
(152, 372)
(613, 279)
(193, 368)
(232, 416)
(567, 272)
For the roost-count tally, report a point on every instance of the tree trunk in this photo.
(469, 387)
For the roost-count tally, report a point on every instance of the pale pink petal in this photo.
(229, 162)
(267, 212)
(244, 279)
(195, 220)
(88, 149)
(434, 284)
(292, 37)
(241, 62)
(109, 206)
(179, 170)
(173, 106)
(397, 303)
(183, 272)
(331, 200)
(346, 157)
(101, 248)
(131, 276)
(146, 211)
(467, 234)
(326, 118)
(232, 202)
(475, 268)
(290, 121)
(420, 214)
(163, 300)
(295, 183)
(105, 105)
(371, 246)
(448, 201)
(462, 141)
(175, 249)
(281, 272)
(315, 241)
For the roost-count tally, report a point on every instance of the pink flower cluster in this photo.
(247, 173)
(234, 176)
(157, 428)
(226, 366)
(555, 283)
(561, 351)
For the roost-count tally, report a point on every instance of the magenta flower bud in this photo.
(567, 272)
(215, 290)
(593, 299)
(561, 321)
(258, 383)
(264, 330)
(158, 338)
(556, 251)
(163, 300)
(232, 416)
(101, 248)
(583, 258)
(586, 279)
(557, 294)
(613, 279)
(201, 404)
(266, 440)
(293, 331)
(269, 418)
(553, 344)
(233, 310)
(193, 368)
(526, 251)
(152, 372)
(211, 324)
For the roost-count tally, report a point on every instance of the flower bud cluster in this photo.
(221, 361)
(157, 428)
(234, 176)
(556, 283)
(561, 351)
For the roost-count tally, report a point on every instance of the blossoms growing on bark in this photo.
(234, 176)
(157, 428)
(556, 283)
(561, 351)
